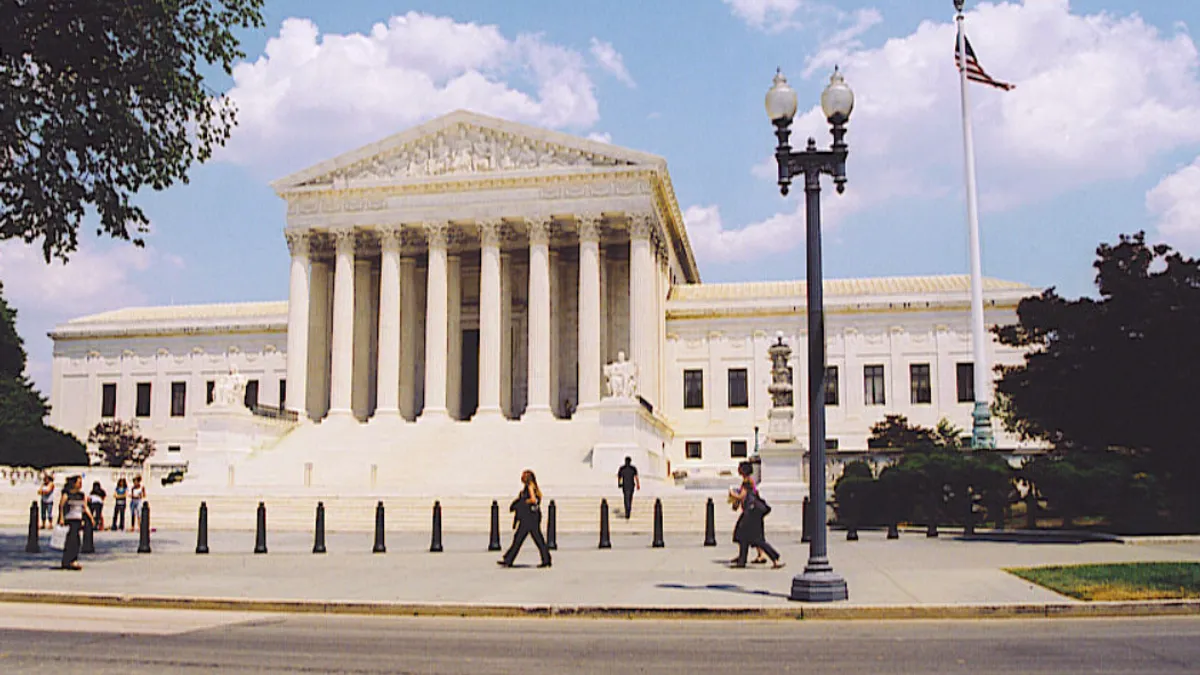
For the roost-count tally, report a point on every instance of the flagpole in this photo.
(981, 427)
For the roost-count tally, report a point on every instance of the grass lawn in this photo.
(1123, 581)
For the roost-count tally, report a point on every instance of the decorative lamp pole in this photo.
(818, 582)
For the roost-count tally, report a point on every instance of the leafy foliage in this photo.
(100, 98)
(856, 496)
(119, 444)
(1116, 373)
(896, 432)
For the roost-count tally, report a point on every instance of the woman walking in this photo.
(71, 512)
(750, 529)
(527, 508)
(46, 494)
(137, 494)
(119, 494)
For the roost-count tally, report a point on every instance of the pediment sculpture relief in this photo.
(465, 149)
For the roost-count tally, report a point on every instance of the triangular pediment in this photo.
(464, 144)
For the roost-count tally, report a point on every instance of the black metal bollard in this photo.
(931, 530)
(319, 532)
(494, 534)
(852, 533)
(605, 539)
(658, 525)
(806, 525)
(202, 531)
(260, 530)
(144, 529)
(893, 531)
(31, 542)
(435, 544)
(552, 527)
(88, 545)
(710, 524)
(969, 524)
(380, 546)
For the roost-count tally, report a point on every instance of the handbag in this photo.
(758, 505)
(58, 537)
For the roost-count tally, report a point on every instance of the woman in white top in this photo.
(72, 509)
(137, 494)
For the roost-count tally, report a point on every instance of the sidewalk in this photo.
(910, 572)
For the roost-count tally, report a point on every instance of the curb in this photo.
(1078, 610)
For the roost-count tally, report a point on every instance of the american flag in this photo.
(975, 72)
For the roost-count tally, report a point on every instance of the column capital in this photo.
(642, 226)
(589, 228)
(298, 242)
(344, 239)
(391, 237)
(437, 233)
(539, 230)
(491, 231)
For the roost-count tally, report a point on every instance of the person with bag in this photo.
(750, 530)
(527, 519)
(72, 509)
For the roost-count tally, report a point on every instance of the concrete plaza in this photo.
(911, 571)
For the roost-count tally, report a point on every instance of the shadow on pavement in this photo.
(728, 588)
(13, 556)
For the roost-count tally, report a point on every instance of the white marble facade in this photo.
(467, 281)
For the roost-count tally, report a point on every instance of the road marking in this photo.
(115, 620)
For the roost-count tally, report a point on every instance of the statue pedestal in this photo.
(783, 483)
(779, 426)
(629, 430)
(226, 434)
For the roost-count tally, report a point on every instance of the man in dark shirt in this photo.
(627, 480)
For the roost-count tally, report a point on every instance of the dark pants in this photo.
(98, 514)
(529, 527)
(744, 550)
(71, 547)
(48, 511)
(118, 519)
(628, 501)
(749, 532)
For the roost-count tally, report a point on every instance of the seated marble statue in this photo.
(230, 390)
(621, 377)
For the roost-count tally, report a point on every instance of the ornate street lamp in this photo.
(818, 582)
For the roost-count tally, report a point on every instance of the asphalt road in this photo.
(50, 639)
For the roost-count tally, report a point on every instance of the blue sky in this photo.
(1101, 135)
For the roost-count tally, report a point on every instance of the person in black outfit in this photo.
(749, 530)
(527, 519)
(72, 510)
(628, 481)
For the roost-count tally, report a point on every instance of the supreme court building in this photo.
(472, 297)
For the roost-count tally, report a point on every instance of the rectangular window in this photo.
(143, 399)
(282, 393)
(873, 385)
(737, 448)
(108, 400)
(739, 392)
(693, 389)
(691, 450)
(252, 394)
(831, 385)
(209, 388)
(172, 448)
(178, 399)
(922, 389)
(965, 373)
(831, 444)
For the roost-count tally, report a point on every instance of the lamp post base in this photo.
(981, 427)
(819, 586)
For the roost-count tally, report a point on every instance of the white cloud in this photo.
(774, 16)
(1175, 203)
(310, 95)
(600, 137)
(611, 61)
(770, 15)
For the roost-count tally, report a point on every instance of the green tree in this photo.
(1114, 373)
(100, 98)
(855, 496)
(895, 431)
(119, 444)
(24, 439)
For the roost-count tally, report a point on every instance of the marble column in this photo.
(490, 326)
(642, 332)
(409, 319)
(342, 372)
(387, 395)
(436, 320)
(320, 317)
(539, 319)
(589, 312)
(297, 335)
(506, 335)
(555, 315)
(454, 336)
(364, 326)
